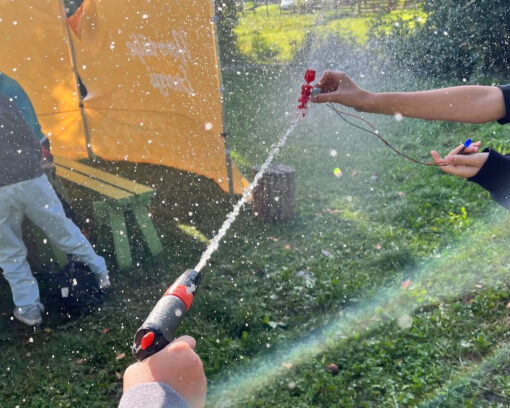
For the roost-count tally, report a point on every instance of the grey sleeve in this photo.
(152, 395)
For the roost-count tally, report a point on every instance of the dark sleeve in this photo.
(13, 89)
(506, 96)
(494, 176)
(152, 395)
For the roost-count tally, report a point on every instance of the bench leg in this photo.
(147, 228)
(117, 223)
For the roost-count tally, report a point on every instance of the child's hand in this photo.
(337, 87)
(176, 365)
(463, 165)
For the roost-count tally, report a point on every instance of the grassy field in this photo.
(395, 272)
(275, 36)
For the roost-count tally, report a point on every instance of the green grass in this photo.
(354, 240)
(276, 37)
(278, 34)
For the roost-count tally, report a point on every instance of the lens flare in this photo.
(456, 271)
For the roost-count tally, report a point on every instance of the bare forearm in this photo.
(470, 104)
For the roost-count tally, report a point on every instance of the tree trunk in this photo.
(274, 198)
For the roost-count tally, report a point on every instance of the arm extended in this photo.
(470, 103)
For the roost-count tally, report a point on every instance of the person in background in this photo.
(26, 191)
(172, 378)
(12, 90)
(468, 104)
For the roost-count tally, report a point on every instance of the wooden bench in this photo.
(118, 195)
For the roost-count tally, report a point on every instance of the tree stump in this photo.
(274, 198)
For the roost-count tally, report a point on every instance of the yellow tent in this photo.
(150, 70)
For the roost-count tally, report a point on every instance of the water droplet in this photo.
(405, 321)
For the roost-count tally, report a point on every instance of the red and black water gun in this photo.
(159, 328)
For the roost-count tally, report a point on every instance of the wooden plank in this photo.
(103, 176)
(95, 185)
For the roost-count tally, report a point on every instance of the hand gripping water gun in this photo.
(159, 328)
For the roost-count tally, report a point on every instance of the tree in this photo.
(459, 38)
(227, 18)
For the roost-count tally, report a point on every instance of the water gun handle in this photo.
(159, 328)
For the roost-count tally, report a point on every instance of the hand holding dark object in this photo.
(176, 365)
(336, 86)
(464, 165)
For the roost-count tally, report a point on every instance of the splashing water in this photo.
(213, 245)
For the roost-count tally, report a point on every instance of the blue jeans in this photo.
(37, 200)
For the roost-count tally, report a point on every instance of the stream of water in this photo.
(231, 217)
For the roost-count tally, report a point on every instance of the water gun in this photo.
(306, 91)
(159, 328)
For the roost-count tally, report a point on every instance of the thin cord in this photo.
(375, 132)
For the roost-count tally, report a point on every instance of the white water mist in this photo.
(213, 245)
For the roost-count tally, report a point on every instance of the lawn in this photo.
(269, 35)
(395, 272)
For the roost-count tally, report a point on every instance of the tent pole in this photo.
(224, 131)
(229, 166)
(72, 54)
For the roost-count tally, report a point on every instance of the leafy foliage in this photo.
(288, 35)
(458, 38)
(226, 21)
(262, 50)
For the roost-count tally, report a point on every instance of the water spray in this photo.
(158, 330)
(308, 91)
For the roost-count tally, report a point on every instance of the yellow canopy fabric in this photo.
(150, 69)
(36, 54)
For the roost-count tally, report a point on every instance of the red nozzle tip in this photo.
(147, 340)
(309, 75)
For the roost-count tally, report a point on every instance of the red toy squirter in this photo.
(306, 91)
